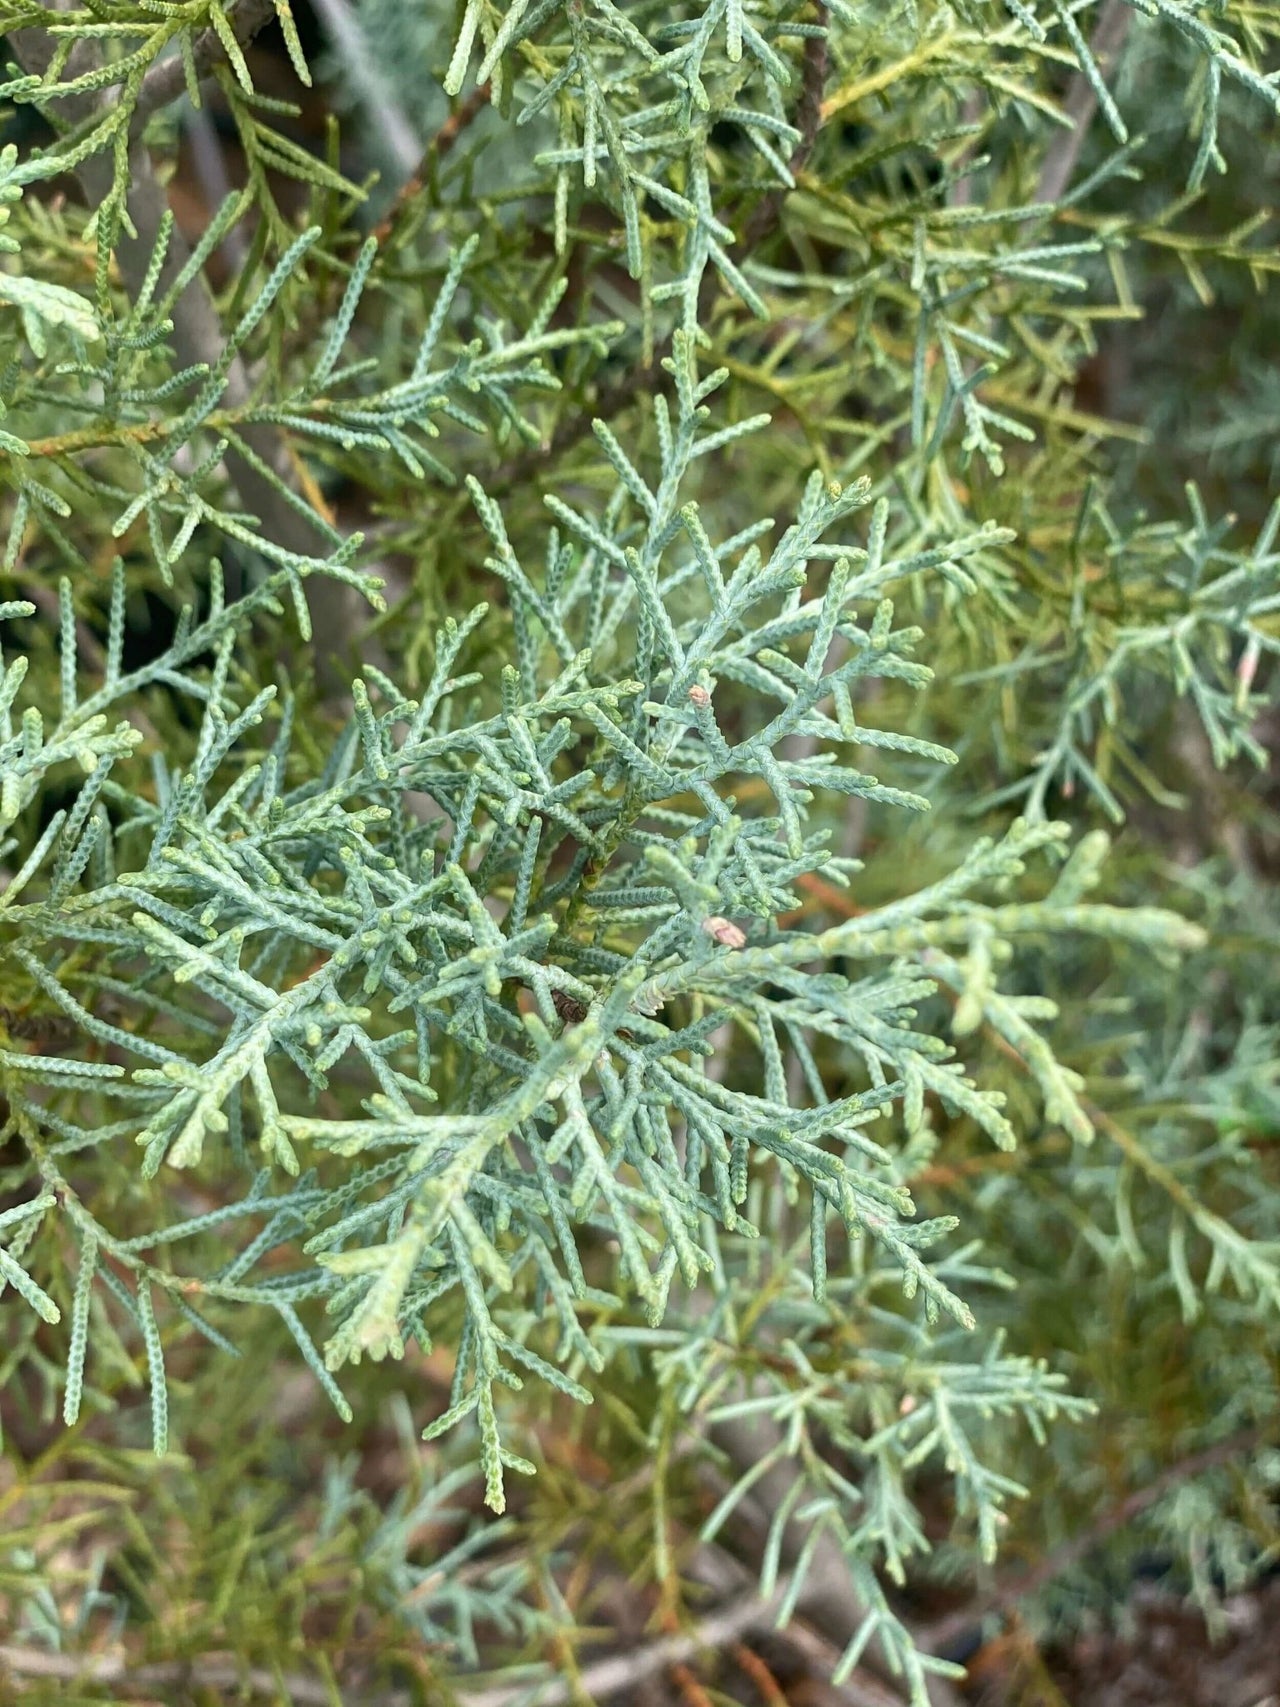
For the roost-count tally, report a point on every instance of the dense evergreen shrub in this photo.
(587, 591)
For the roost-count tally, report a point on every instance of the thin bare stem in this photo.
(165, 82)
(436, 149)
(817, 65)
(961, 192)
(1081, 103)
(1007, 1594)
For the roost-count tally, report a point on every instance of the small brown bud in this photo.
(699, 696)
(725, 932)
(569, 1008)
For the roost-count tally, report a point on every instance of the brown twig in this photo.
(817, 64)
(766, 1684)
(436, 149)
(691, 1690)
(165, 82)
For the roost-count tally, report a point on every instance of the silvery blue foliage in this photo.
(487, 1004)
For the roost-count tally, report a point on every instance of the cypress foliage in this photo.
(634, 731)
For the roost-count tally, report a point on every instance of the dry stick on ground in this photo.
(220, 1672)
(623, 1671)
(607, 1678)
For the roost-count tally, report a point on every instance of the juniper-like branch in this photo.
(199, 340)
(613, 399)
(828, 1599)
